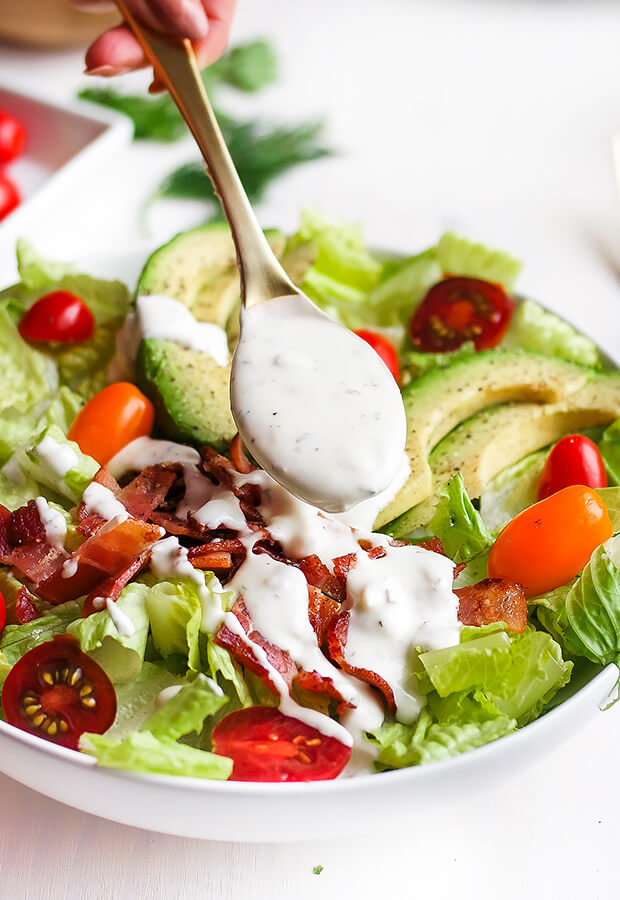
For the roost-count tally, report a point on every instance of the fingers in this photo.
(114, 52)
(220, 15)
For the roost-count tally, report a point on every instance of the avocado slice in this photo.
(439, 401)
(491, 441)
(189, 390)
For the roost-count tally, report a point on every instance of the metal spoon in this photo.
(373, 465)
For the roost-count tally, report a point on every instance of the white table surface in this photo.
(492, 117)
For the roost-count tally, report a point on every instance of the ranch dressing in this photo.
(315, 404)
(166, 319)
(53, 522)
(60, 458)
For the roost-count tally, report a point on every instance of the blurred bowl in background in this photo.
(51, 23)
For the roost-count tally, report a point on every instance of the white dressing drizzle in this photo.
(169, 320)
(145, 451)
(166, 694)
(121, 620)
(169, 559)
(315, 404)
(69, 568)
(60, 458)
(221, 511)
(53, 522)
(101, 502)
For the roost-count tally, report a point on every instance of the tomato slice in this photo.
(383, 348)
(2, 613)
(457, 310)
(60, 316)
(111, 419)
(266, 745)
(574, 460)
(9, 196)
(12, 138)
(549, 543)
(57, 692)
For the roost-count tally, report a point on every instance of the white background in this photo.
(492, 117)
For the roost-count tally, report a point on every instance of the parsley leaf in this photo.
(316, 870)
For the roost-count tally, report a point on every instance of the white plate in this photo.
(64, 141)
(236, 811)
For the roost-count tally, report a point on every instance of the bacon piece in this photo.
(212, 560)
(112, 586)
(179, 527)
(23, 543)
(25, 525)
(337, 634)
(321, 610)
(237, 454)
(343, 565)
(89, 523)
(493, 600)
(217, 554)
(25, 609)
(104, 554)
(148, 490)
(318, 575)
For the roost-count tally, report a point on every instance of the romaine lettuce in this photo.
(187, 710)
(141, 752)
(19, 639)
(609, 445)
(534, 328)
(471, 662)
(457, 524)
(459, 256)
(512, 491)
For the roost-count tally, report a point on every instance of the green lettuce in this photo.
(534, 328)
(19, 639)
(136, 700)
(142, 752)
(228, 674)
(35, 463)
(512, 491)
(472, 662)
(187, 710)
(121, 655)
(458, 524)
(5, 668)
(394, 299)
(459, 256)
(414, 363)
(609, 446)
(611, 499)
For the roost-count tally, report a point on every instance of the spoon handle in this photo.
(174, 63)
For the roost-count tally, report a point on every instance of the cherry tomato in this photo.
(385, 350)
(549, 543)
(12, 138)
(2, 613)
(111, 419)
(574, 460)
(57, 692)
(266, 745)
(9, 196)
(457, 310)
(60, 316)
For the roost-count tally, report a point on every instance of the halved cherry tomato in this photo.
(549, 543)
(12, 138)
(57, 692)
(266, 745)
(2, 613)
(457, 310)
(385, 350)
(574, 460)
(111, 419)
(9, 196)
(60, 316)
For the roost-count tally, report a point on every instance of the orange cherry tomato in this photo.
(112, 419)
(549, 543)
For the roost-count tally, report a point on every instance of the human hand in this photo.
(205, 22)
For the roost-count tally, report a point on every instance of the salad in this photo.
(167, 607)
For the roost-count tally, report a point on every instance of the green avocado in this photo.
(491, 441)
(189, 390)
(441, 400)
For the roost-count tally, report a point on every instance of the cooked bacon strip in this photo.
(212, 560)
(178, 527)
(112, 586)
(25, 609)
(318, 575)
(104, 554)
(337, 634)
(148, 490)
(237, 454)
(493, 600)
(343, 565)
(23, 543)
(321, 610)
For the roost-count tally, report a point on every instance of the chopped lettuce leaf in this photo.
(120, 654)
(37, 273)
(611, 499)
(475, 570)
(9, 588)
(458, 524)
(534, 328)
(5, 668)
(459, 256)
(225, 669)
(414, 363)
(609, 446)
(394, 299)
(472, 662)
(137, 699)
(141, 752)
(427, 741)
(46, 461)
(512, 491)
(341, 254)
(187, 710)
(14, 494)
(19, 639)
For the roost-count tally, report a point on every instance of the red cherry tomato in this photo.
(266, 745)
(111, 419)
(457, 310)
(2, 613)
(574, 460)
(9, 196)
(12, 138)
(57, 692)
(549, 543)
(60, 316)
(385, 350)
